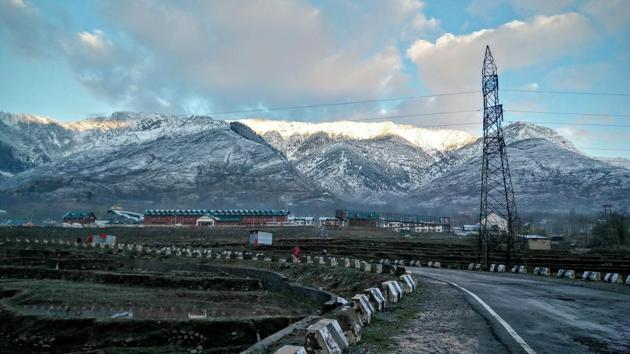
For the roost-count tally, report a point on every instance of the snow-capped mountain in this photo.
(287, 136)
(361, 161)
(157, 160)
(546, 178)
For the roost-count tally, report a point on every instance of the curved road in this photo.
(552, 316)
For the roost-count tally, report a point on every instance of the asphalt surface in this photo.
(552, 317)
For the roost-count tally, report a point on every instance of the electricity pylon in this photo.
(497, 195)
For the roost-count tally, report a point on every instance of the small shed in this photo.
(257, 237)
(537, 242)
(103, 239)
(207, 220)
(82, 217)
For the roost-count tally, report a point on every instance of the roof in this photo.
(389, 217)
(534, 237)
(223, 214)
(78, 214)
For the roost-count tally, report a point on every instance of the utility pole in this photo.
(497, 195)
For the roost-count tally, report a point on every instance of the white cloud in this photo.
(95, 40)
(452, 62)
(612, 14)
(577, 77)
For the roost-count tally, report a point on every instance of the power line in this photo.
(610, 149)
(624, 94)
(406, 98)
(412, 115)
(590, 114)
(587, 124)
(344, 103)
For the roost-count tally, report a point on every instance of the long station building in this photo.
(396, 222)
(210, 217)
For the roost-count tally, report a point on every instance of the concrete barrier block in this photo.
(628, 280)
(407, 285)
(537, 270)
(320, 340)
(607, 277)
(362, 305)
(569, 273)
(366, 267)
(522, 269)
(357, 264)
(337, 332)
(595, 276)
(390, 292)
(586, 275)
(377, 268)
(347, 263)
(398, 289)
(471, 266)
(430, 264)
(350, 323)
(560, 273)
(437, 265)
(501, 268)
(493, 267)
(545, 271)
(478, 266)
(376, 298)
(291, 349)
(615, 278)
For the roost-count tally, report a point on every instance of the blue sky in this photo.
(76, 59)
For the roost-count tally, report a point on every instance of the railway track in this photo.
(455, 255)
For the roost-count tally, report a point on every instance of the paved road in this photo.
(551, 316)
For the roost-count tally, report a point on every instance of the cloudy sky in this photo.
(75, 59)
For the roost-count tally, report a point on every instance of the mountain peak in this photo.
(427, 139)
(518, 131)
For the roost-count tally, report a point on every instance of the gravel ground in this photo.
(437, 319)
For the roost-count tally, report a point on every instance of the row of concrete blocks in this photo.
(335, 335)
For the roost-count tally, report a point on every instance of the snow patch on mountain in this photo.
(430, 140)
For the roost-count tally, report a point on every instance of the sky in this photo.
(71, 60)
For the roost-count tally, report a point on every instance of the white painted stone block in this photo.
(407, 285)
(335, 329)
(586, 275)
(560, 273)
(320, 340)
(437, 265)
(366, 267)
(390, 292)
(376, 298)
(351, 324)
(536, 270)
(363, 307)
(501, 268)
(471, 266)
(545, 271)
(615, 278)
(595, 276)
(347, 262)
(291, 349)
(569, 273)
(607, 277)
(430, 264)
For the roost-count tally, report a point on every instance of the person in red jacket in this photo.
(296, 254)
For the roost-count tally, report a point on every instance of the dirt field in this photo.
(96, 298)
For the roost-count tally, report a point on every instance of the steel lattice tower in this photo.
(497, 195)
